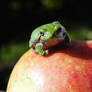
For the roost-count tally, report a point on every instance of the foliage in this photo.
(82, 33)
(11, 52)
(52, 4)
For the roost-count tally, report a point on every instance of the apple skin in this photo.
(65, 70)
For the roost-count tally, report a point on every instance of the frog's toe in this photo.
(46, 52)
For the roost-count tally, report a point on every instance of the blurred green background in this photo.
(26, 15)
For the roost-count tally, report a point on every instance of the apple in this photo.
(64, 70)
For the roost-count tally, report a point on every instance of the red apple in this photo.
(65, 70)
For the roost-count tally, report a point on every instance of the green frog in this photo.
(47, 36)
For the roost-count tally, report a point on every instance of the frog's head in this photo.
(48, 31)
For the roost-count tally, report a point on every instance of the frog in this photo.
(46, 36)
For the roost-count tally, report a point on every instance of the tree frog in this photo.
(47, 36)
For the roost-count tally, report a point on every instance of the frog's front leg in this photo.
(39, 49)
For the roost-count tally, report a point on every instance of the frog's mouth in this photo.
(56, 41)
(51, 42)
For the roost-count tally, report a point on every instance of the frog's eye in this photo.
(64, 34)
(58, 31)
(42, 33)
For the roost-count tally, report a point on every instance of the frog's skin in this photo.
(47, 36)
